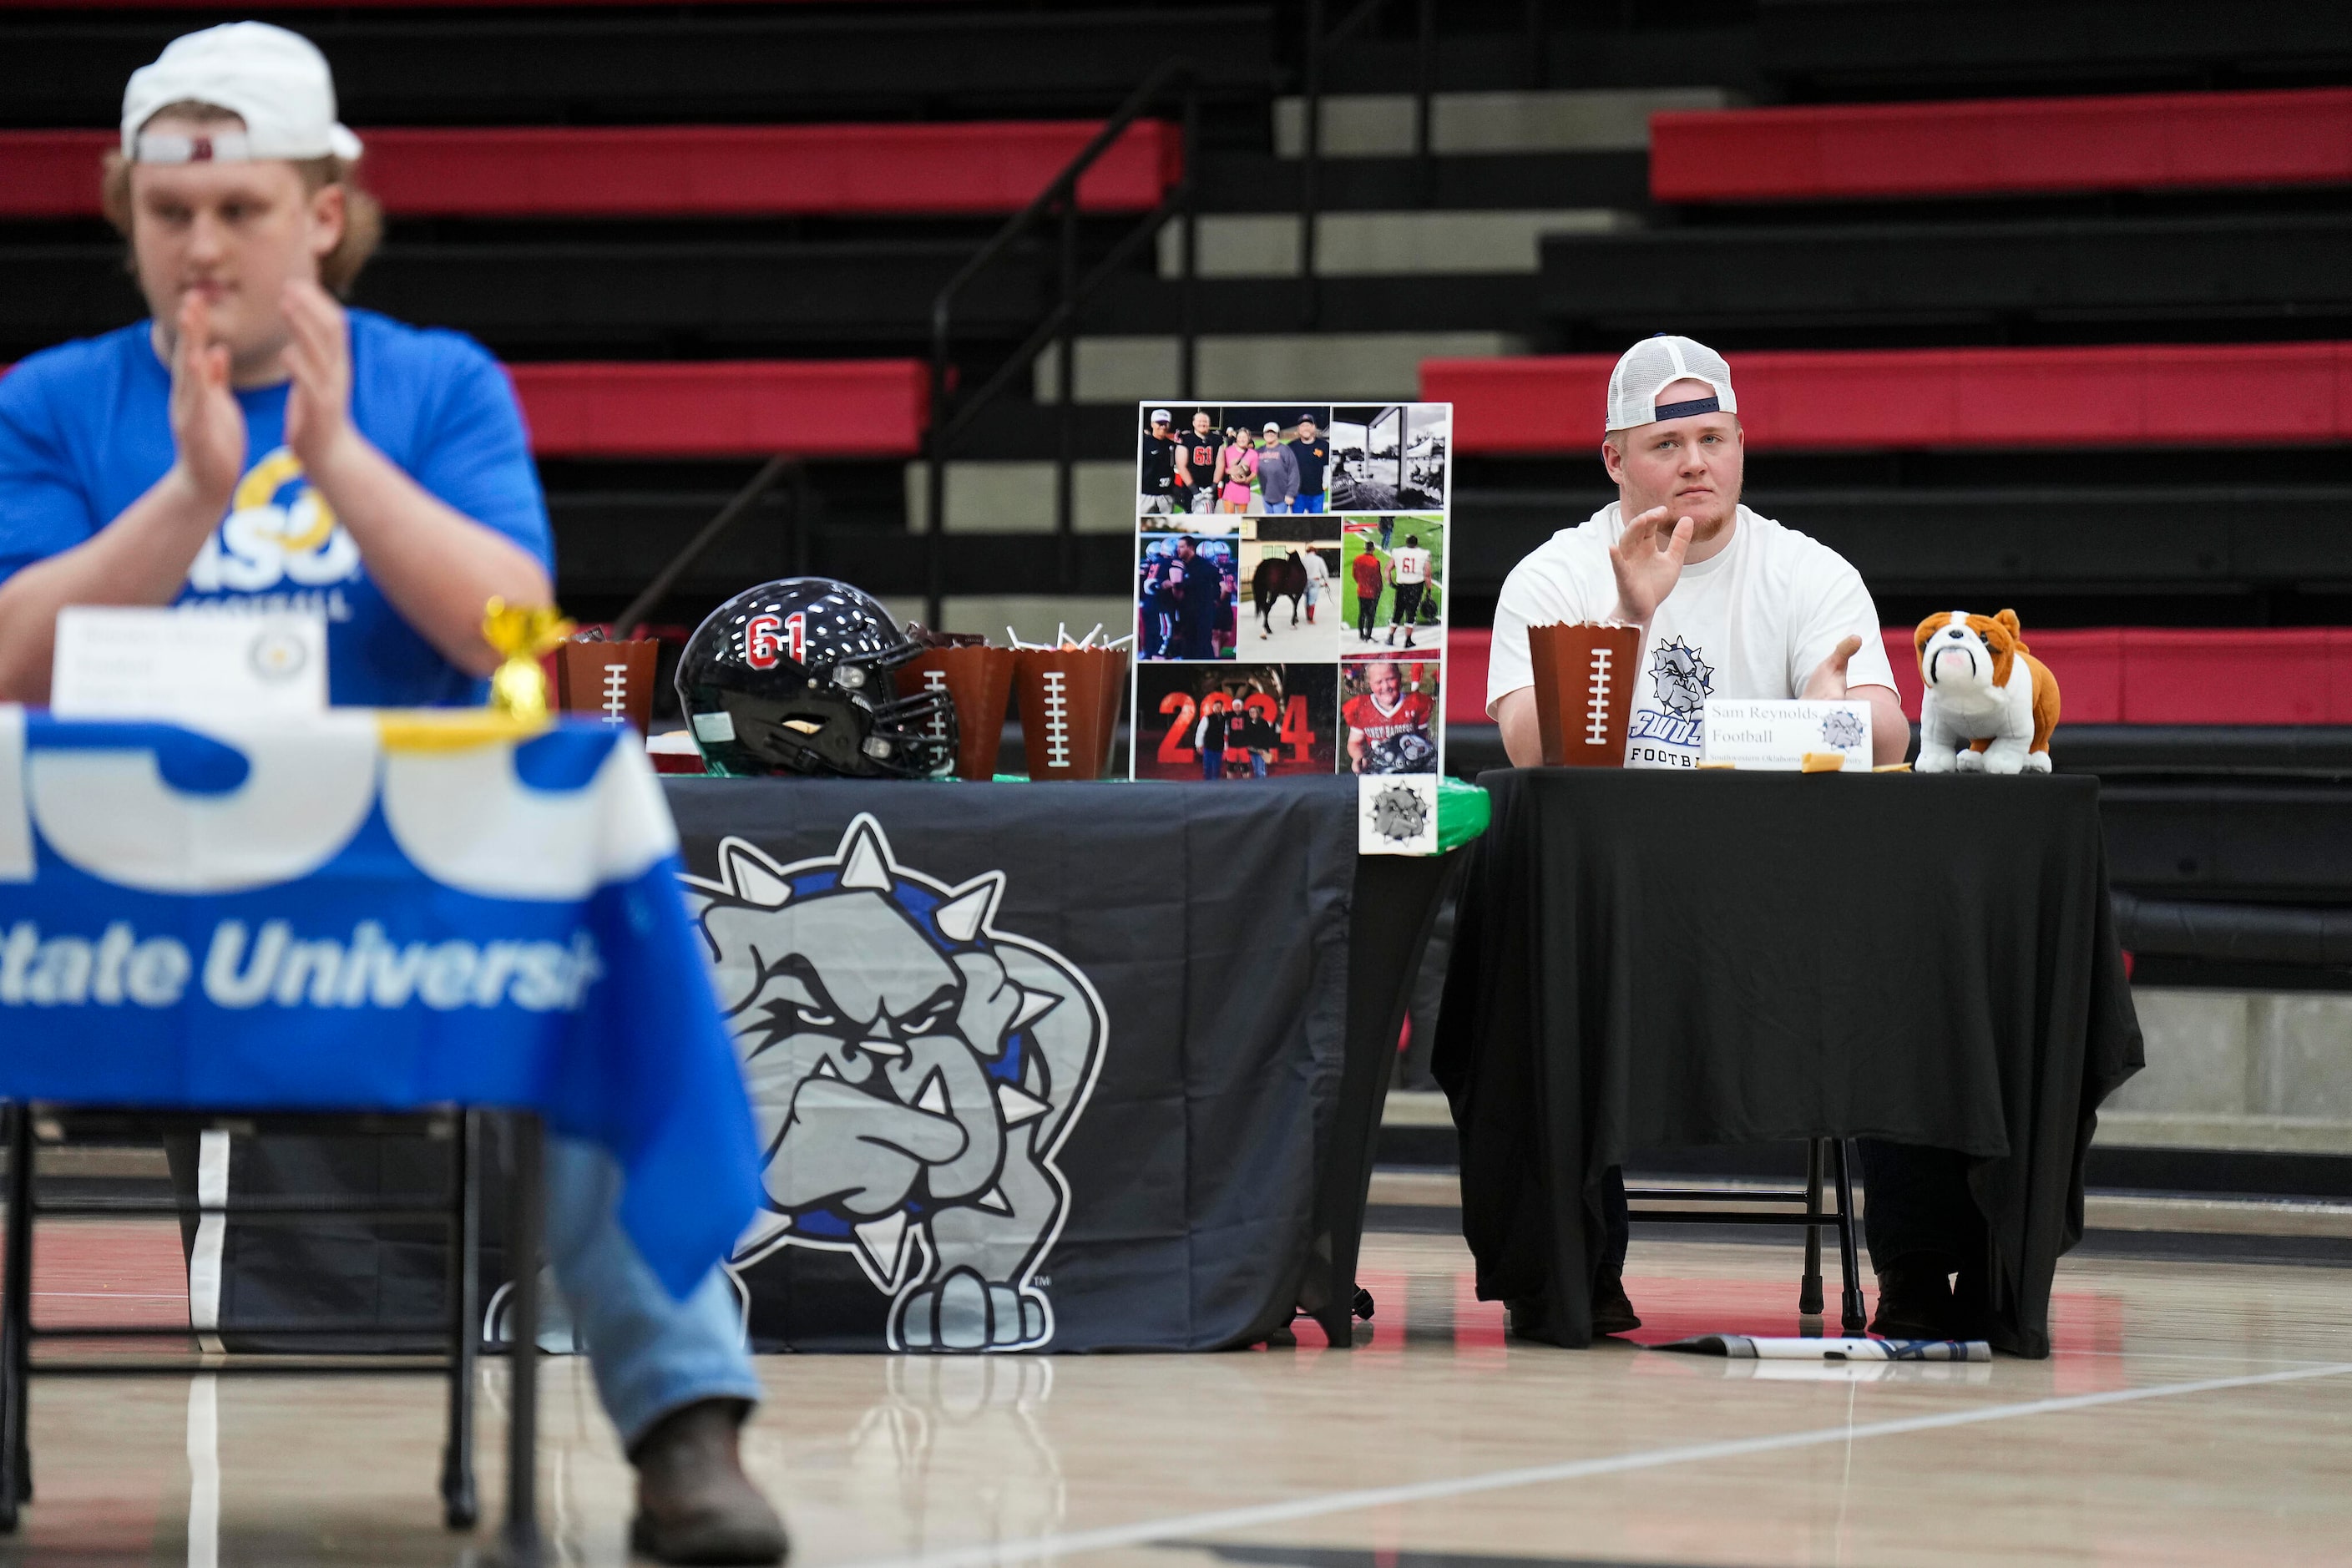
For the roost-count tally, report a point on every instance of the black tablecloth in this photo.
(1228, 982)
(1645, 958)
(1241, 973)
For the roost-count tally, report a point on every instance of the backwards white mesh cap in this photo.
(1651, 365)
(276, 81)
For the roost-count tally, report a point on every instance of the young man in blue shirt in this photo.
(254, 445)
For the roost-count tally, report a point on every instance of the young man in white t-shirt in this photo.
(1731, 604)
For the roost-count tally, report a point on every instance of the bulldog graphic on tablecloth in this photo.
(913, 1070)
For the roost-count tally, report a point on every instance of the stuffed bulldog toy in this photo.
(1990, 705)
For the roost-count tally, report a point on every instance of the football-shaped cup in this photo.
(978, 681)
(1069, 701)
(1584, 691)
(610, 680)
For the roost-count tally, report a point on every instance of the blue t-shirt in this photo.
(86, 429)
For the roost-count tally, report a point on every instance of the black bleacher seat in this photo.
(461, 66)
(648, 298)
(1966, 542)
(2242, 276)
(1817, 49)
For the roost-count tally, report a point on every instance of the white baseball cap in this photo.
(1651, 365)
(1161, 416)
(276, 81)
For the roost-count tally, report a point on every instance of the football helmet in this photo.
(795, 677)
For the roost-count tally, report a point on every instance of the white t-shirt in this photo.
(1411, 564)
(1753, 620)
(1315, 571)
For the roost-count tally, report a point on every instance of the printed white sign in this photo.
(1763, 734)
(1396, 814)
(113, 662)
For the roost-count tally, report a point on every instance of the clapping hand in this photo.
(207, 426)
(1827, 682)
(1648, 561)
(319, 357)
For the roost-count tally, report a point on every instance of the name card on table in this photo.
(115, 662)
(1765, 734)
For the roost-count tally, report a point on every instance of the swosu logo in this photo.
(278, 529)
(231, 809)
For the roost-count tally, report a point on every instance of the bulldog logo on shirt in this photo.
(279, 531)
(913, 1070)
(1680, 676)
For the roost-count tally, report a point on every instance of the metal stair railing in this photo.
(1321, 41)
(951, 415)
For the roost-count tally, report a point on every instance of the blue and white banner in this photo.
(372, 910)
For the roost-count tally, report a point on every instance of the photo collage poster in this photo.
(1290, 588)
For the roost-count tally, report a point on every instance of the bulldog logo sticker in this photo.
(913, 1070)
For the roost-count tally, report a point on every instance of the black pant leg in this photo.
(1616, 1221)
(1917, 1207)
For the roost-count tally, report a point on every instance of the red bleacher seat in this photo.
(1849, 151)
(2277, 395)
(2106, 675)
(841, 408)
(754, 408)
(1465, 675)
(680, 170)
(361, 5)
(2152, 675)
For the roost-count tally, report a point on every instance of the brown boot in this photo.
(695, 1504)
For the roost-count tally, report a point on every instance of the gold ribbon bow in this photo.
(523, 635)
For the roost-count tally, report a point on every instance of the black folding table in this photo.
(1646, 957)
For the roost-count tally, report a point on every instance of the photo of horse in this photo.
(1288, 566)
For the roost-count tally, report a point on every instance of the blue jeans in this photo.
(1309, 504)
(651, 1355)
(1278, 508)
(1213, 764)
(1257, 764)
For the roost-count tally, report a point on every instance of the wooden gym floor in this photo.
(2196, 1412)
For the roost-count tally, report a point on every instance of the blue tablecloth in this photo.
(373, 911)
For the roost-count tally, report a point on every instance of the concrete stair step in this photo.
(1587, 119)
(1335, 366)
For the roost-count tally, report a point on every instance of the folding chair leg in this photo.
(1850, 1314)
(17, 1323)
(461, 1506)
(528, 1206)
(1808, 1291)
